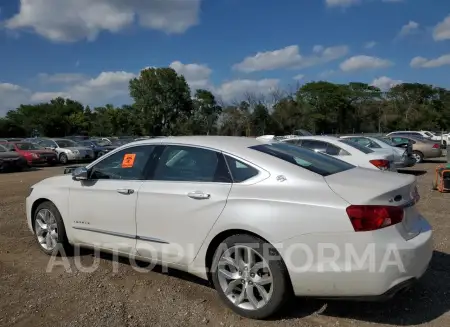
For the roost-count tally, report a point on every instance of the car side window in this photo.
(334, 150)
(239, 170)
(9, 147)
(127, 164)
(295, 142)
(191, 164)
(318, 146)
(47, 143)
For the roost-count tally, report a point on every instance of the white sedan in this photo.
(261, 221)
(346, 150)
(402, 157)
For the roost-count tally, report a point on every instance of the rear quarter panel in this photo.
(277, 211)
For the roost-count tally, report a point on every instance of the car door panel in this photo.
(101, 215)
(180, 204)
(102, 208)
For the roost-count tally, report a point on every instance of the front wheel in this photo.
(63, 158)
(49, 228)
(247, 281)
(418, 156)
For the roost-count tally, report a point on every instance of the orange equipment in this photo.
(442, 178)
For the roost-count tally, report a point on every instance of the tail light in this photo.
(436, 146)
(366, 218)
(381, 164)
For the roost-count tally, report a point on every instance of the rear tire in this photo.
(254, 288)
(418, 156)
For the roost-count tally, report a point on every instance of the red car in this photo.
(33, 153)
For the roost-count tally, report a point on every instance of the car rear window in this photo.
(318, 163)
(358, 146)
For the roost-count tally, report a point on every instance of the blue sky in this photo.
(88, 50)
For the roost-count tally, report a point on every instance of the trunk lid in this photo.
(386, 188)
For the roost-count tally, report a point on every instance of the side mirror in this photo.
(80, 174)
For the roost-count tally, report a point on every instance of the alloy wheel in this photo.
(46, 229)
(245, 277)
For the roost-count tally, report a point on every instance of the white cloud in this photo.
(68, 21)
(107, 86)
(409, 28)
(299, 77)
(370, 45)
(236, 89)
(290, 57)
(195, 74)
(442, 30)
(421, 62)
(384, 83)
(11, 96)
(39, 97)
(364, 62)
(65, 78)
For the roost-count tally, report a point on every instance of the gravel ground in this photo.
(30, 296)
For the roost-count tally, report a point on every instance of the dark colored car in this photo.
(33, 153)
(10, 160)
(99, 147)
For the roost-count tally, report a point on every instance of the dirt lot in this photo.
(31, 297)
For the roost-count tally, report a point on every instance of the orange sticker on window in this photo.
(128, 160)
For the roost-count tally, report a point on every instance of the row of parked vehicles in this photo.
(388, 152)
(18, 154)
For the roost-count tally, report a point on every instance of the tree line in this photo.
(163, 105)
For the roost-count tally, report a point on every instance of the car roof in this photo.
(232, 144)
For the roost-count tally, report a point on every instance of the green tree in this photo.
(163, 98)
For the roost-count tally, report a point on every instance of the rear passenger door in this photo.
(180, 201)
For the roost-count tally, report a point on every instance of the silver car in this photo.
(67, 150)
(402, 156)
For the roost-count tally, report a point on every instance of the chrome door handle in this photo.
(125, 191)
(199, 195)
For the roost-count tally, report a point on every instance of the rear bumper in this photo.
(408, 162)
(368, 265)
(435, 153)
(389, 294)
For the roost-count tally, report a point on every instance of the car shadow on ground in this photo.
(426, 301)
(145, 266)
(414, 172)
(436, 161)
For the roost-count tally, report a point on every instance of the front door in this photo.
(102, 208)
(181, 201)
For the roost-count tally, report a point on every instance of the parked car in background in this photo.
(249, 205)
(437, 136)
(33, 153)
(67, 150)
(422, 148)
(346, 150)
(10, 160)
(99, 147)
(402, 156)
(416, 134)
